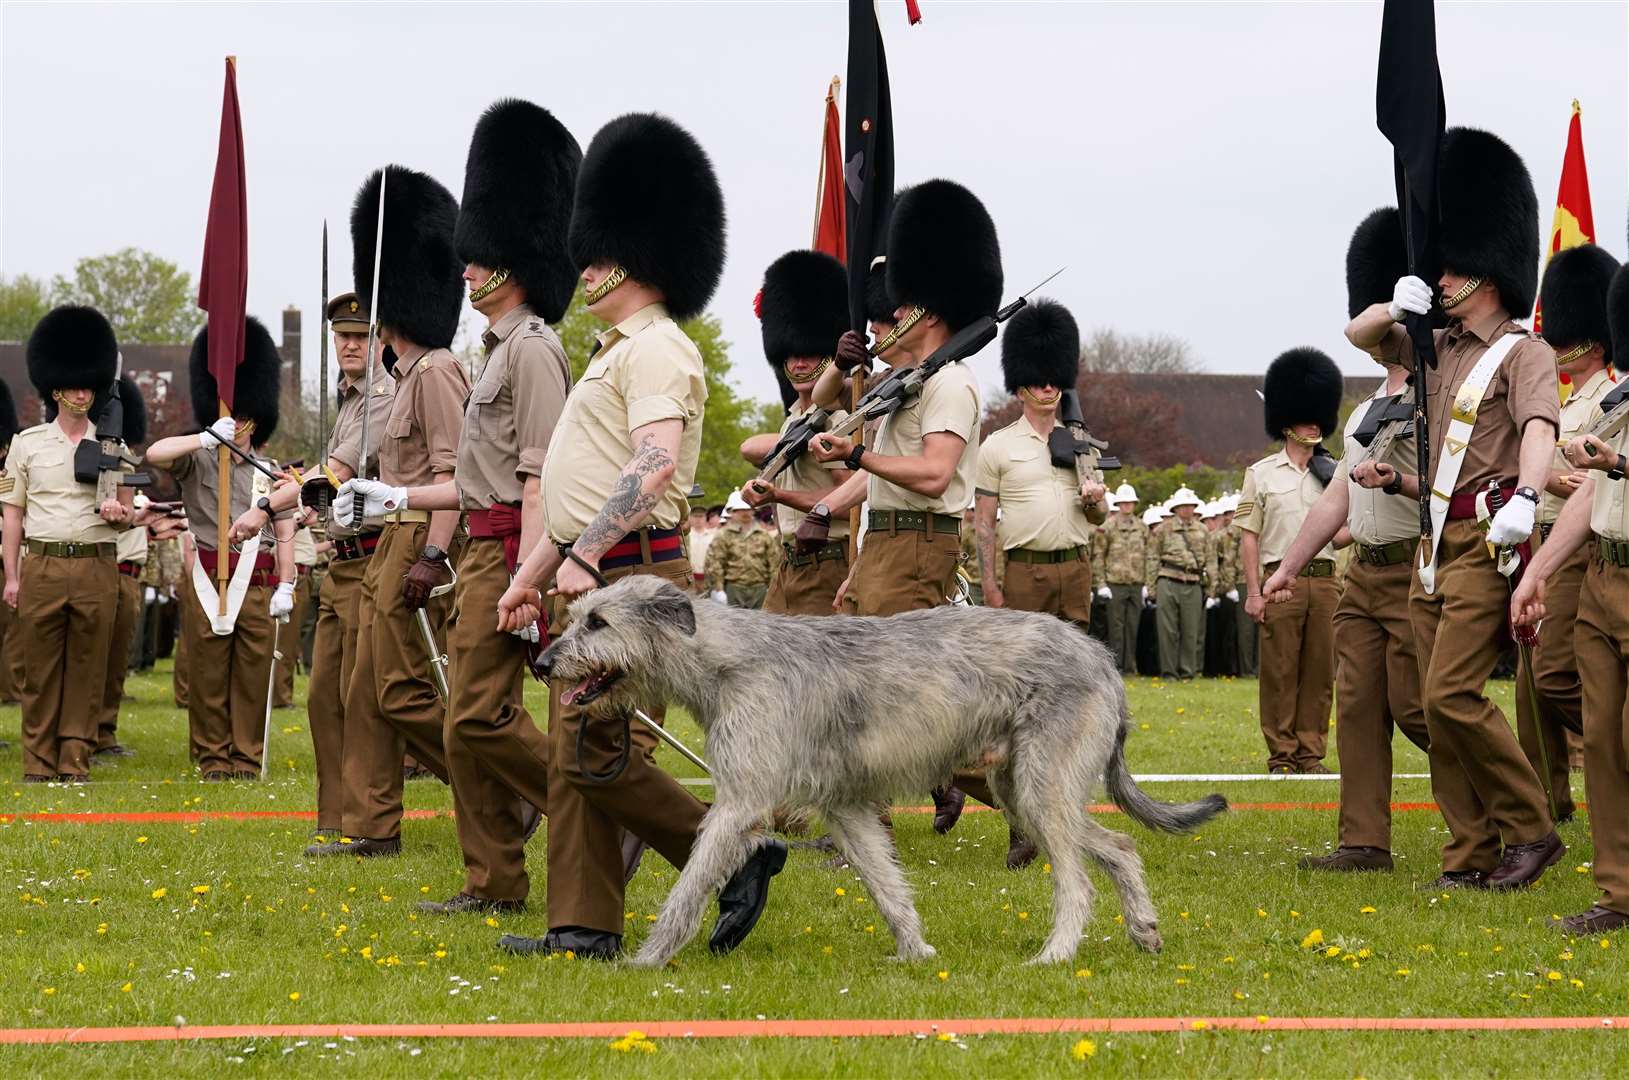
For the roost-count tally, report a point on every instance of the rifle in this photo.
(1072, 446)
(1615, 409)
(1388, 419)
(103, 462)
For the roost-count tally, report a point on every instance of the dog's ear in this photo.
(674, 606)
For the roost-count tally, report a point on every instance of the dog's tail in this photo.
(1164, 816)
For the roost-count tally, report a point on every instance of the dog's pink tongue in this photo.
(571, 695)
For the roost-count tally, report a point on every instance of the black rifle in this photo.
(103, 462)
(1073, 447)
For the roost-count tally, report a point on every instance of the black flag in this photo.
(868, 152)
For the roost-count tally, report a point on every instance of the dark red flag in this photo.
(830, 228)
(223, 282)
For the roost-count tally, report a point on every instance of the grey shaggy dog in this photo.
(788, 721)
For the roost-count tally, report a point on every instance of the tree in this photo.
(146, 298)
(23, 302)
(1143, 354)
(1142, 425)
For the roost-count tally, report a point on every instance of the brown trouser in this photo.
(904, 571)
(586, 818)
(1377, 676)
(289, 642)
(11, 664)
(808, 589)
(185, 605)
(1298, 674)
(391, 704)
(496, 756)
(1481, 779)
(1062, 589)
(1602, 642)
(118, 661)
(1553, 678)
(226, 684)
(333, 658)
(65, 611)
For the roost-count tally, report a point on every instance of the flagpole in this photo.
(223, 493)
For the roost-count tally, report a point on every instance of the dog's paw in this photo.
(919, 951)
(645, 958)
(1146, 938)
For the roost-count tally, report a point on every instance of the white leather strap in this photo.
(210, 600)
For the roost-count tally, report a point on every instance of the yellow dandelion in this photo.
(1366, 909)
(141, 839)
(294, 995)
(160, 893)
(1201, 1025)
(101, 928)
(1260, 914)
(1553, 976)
(490, 921)
(1084, 973)
(125, 989)
(200, 889)
(871, 929)
(1404, 972)
(49, 990)
(1083, 1049)
(943, 975)
(1313, 939)
(79, 968)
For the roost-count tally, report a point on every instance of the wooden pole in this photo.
(223, 519)
(856, 389)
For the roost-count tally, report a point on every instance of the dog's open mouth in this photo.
(592, 686)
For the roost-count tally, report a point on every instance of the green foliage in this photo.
(146, 298)
(24, 301)
(1157, 485)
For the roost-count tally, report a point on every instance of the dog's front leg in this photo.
(722, 846)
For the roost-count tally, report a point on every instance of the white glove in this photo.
(282, 601)
(223, 430)
(1233, 595)
(1103, 591)
(1514, 523)
(1210, 602)
(721, 596)
(1411, 294)
(526, 633)
(377, 498)
(1145, 594)
(149, 595)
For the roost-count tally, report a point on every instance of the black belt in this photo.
(73, 549)
(1398, 551)
(914, 521)
(1045, 558)
(832, 552)
(1313, 569)
(1612, 552)
(361, 546)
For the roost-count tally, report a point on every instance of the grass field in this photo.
(222, 922)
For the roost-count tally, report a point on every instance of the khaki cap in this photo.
(346, 314)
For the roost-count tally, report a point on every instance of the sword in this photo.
(373, 324)
(271, 684)
(438, 655)
(322, 371)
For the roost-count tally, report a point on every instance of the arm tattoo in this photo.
(629, 502)
(985, 534)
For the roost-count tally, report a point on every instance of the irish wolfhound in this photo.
(839, 714)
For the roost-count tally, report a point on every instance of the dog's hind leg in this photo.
(862, 838)
(722, 846)
(1058, 828)
(1117, 854)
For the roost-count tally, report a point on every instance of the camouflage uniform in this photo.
(969, 562)
(1119, 560)
(740, 563)
(161, 573)
(1221, 619)
(1180, 560)
(1247, 639)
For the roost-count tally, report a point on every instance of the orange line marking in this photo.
(810, 1029)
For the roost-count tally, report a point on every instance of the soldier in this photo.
(614, 481)
(10, 669)
(1376, 503)
(1179, 563)
(1302, 398)
(1246, 632)
(392, 706)
(350, 551)
(804, 310)
(1595, 518)
(738, 558)
(1047, 513)
(229, 657)
(1493, 416)
(1549, 693)
(132, 557)
(1221, 650)
(66, 607)
(1119, 553)
(518, 183)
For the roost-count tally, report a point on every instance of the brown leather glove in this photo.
(420, 578)
(815, 530)
(851, 352)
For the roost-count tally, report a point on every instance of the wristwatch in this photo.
(431, 553)
(1616, 471)
(1395, 486)
(1527, 493)
(853, 459)
(263, 504)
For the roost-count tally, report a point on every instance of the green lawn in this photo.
(223, 922)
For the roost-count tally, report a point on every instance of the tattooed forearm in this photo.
(984, 533)
(636, 494)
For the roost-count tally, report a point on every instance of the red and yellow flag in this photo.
(1574, 221)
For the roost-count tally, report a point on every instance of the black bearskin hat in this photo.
(423, 278)
(73, 348)
(804, 309)
(1617, 317)
(518, 185)
(1574, 298)
(879, 306)
(135, 411)
(1375, 259)
(8, 418)
(1303, 386)
(943, 254)
(1041, 347)
(647, 200)
(259, 379)
(1490, 225)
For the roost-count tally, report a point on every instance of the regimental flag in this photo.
(831, 229)
(868, 158)
(223, 281)
(1574, 222)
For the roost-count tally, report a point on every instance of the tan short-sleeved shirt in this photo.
(1040, 503)
(1373, 517)
(1276, 497)
(1609, 512)
(806, 474)
(55, 505)
(646, 370)
(949, 401)
(513, 408)
(1577, 413)
(421, 435)
(345, 444)
(133, 545)
(305, 548)
(199, 476)
(1523, 389)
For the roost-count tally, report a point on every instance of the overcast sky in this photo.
(1198, 167)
